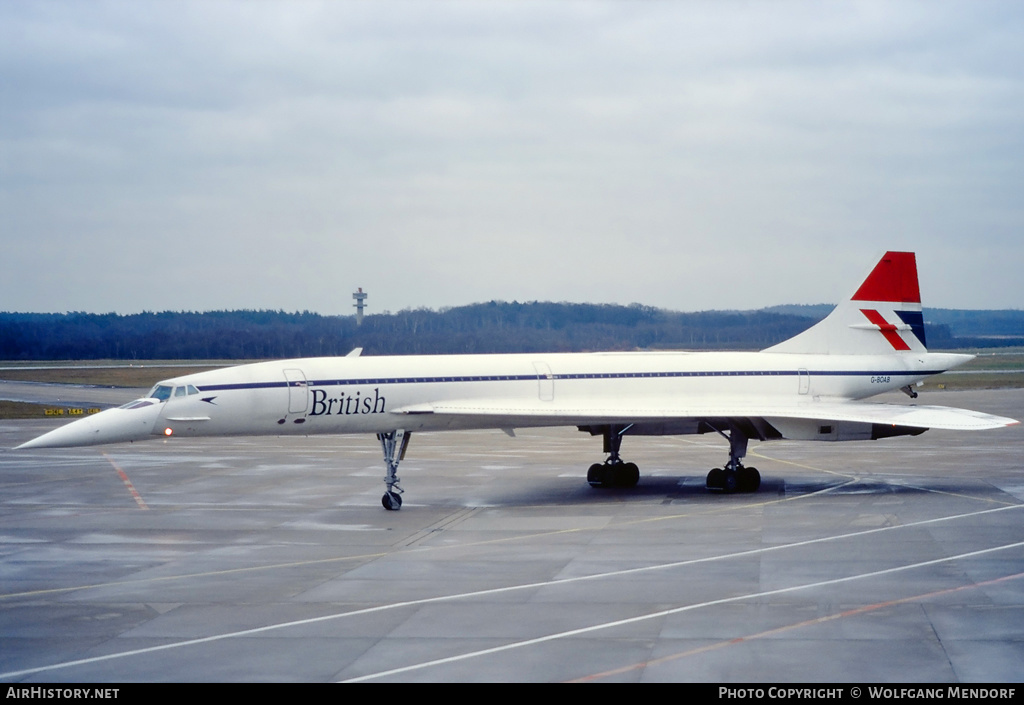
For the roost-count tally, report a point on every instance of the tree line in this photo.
(492, 327)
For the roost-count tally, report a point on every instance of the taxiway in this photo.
(271, 559)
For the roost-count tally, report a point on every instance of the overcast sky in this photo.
(687, 155)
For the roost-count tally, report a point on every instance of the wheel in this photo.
(750, 480)
(392, 501)
(715, 479)
(628, 475)
(596, 475)
(730, 480)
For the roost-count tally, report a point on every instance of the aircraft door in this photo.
(298, 391)
(545, 381)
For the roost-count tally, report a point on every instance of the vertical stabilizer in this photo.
(883, 316)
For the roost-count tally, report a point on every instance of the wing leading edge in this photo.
(625, 411)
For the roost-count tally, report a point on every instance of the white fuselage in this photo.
(367, 394)
(665, 391)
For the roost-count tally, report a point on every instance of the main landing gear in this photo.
(734, 477)
(393, 443)
(613, 472)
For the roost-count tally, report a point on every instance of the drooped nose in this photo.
(132, 422)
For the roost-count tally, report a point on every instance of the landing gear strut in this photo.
(393, 443)
(613, 472)
(734, 477)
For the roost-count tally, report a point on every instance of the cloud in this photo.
(685, 155)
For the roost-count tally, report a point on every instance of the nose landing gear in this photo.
(393, 443)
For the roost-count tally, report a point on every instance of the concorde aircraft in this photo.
(809, 387)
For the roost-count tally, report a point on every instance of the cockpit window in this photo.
(161, 392)
(192, 390)
(179, 391)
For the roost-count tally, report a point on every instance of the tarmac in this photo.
(271, 559)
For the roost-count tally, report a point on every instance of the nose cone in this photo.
(131, 422)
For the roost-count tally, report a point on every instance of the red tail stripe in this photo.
(887, 329)
(894, 279)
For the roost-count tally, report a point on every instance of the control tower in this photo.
(360, 303)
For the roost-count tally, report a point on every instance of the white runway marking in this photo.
(674, 610)
(562, 581)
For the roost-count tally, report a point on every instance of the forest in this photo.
(492, 327)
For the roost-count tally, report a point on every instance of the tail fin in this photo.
(883, 316)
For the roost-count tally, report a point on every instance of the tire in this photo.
(715, 479)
